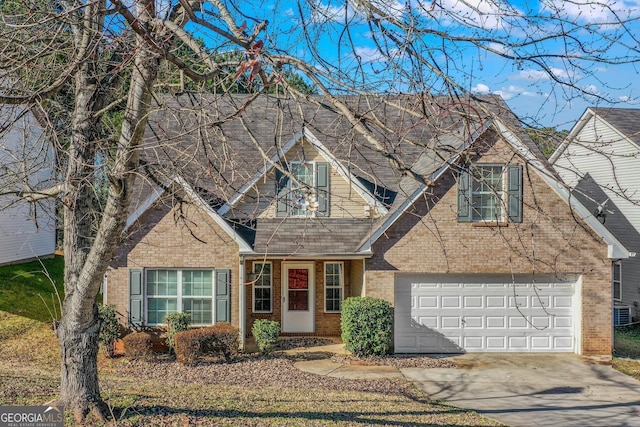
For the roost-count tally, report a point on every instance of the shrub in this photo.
(176, 322)
(138, 346)
(192, 345)
(367, 326)
(223, 339)
(187, 347)
(109, 329)
(266, 334)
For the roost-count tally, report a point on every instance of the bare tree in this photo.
(93, 67)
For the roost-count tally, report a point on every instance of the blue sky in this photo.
(346, 48)
(531, 93)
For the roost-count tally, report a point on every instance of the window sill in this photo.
(333, 312)
(490, 224)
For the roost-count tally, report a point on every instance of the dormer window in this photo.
(307, 194)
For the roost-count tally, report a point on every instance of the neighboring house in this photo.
(600, 160)
(486, 252)
(27, 230)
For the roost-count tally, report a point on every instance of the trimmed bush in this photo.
(109, 329)
(220, 339)
(176, 322)
(224, 340)
(266, 333)
(187, 347)
(367, 326)
(138, 346)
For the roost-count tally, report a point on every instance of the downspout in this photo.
(242, 300)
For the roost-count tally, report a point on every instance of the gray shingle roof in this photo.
(216, 153)
(625, 120)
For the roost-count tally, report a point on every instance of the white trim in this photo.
(242, 305)
(146, 204)
(579, 126)
(253, 287)
(341, 287)
(366, 247)
(616, 250)
(244, 247)
(325, 153)
(263, 170)
(615, 264)
(179, 297)
(345, 174)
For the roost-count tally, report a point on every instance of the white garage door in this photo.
(472, 313)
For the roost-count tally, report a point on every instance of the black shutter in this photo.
(514, 193)
(136, 298)
(322, 188)
(223, 295)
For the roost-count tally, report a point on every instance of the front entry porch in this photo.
(303, 295)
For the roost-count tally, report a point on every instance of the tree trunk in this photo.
(79, 387)
(89, 249)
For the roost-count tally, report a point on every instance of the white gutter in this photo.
(417, 193)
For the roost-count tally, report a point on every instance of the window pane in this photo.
(200, 310)
(158, 308)
(298, 300)
(197, 283)
(486, 193)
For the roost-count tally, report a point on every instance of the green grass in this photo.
(25, 289)
(626, 341)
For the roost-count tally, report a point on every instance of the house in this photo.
(27, 230)
(442, 207)
(599, 159)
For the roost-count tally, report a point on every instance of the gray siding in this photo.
(26, 230)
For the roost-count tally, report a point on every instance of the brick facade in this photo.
(184, 236)
(326, 324)
(428, 239)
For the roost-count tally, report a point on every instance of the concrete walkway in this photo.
(517, 389)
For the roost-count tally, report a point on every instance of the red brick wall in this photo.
(327, 324)
(428, 239)
(161, 238)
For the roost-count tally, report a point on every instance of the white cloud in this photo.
(481, 88)
(486, 14)
(500, 48)
(327, 12)
(592, 11)
(591, 89)
(538, 75)
(510, 92)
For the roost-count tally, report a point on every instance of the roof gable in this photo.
(244, 247)
(306, 134)
(625, 122)
(541, 167)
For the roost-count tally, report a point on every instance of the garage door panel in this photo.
(449, 313)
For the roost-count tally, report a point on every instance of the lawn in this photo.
(252, 391)
(626, 342)
(27, 289)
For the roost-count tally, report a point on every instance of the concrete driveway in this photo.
(535, 389)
